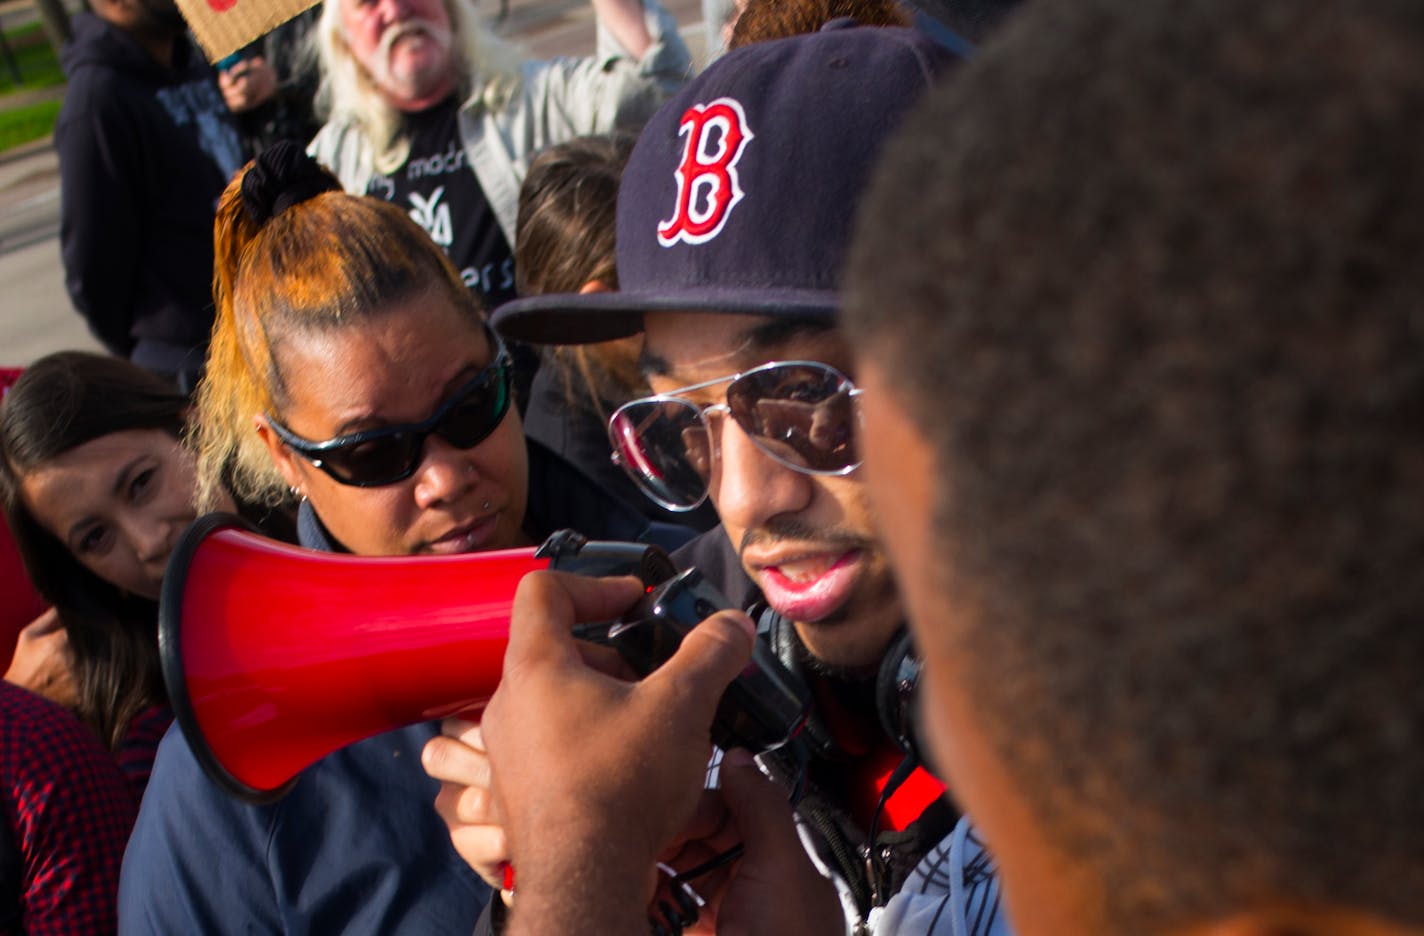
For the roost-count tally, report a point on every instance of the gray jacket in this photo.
(557, 100)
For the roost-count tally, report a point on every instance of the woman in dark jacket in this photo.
(351, 371)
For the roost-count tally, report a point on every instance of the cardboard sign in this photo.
(224, 26)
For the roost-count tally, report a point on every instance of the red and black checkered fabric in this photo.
(139, 746)
(67, 816)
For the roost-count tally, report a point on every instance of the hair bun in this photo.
(282, 176)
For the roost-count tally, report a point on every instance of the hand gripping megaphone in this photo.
(274, 656)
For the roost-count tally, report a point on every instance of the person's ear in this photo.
(594, 286)
(287, 462)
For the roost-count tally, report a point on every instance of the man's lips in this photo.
(806, 587)
(465, 538)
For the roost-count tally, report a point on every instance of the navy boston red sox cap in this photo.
(740, 193)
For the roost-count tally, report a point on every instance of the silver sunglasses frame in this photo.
(676, 396)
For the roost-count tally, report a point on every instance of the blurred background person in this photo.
(565, 245)
(428, 109)
(761, 20)
(145, 145)
(958, 25)
(270, 85)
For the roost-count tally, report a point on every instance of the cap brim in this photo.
(584, 318)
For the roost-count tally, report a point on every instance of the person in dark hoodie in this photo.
(146, 145)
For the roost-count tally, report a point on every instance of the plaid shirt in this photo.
(139, 746)
(67, 817)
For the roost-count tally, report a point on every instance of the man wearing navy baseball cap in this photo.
(734, 214)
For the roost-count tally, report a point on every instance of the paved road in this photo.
(35, 315)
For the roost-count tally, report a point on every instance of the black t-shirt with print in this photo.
(437, 187)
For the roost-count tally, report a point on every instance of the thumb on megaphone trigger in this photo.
(548, 604)
(711, 655)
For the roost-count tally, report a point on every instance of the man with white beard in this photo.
(427, 108)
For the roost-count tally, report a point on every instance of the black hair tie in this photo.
(282, 176)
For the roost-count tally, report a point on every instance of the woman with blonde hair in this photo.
(353, 372)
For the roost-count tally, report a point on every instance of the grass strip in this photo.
(39, 66)
(23, 124)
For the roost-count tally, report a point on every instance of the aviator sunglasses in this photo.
(799, 413)
(377, 457)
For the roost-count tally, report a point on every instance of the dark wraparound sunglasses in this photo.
(800, 413)
(377, 457)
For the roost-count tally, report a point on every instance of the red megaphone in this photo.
(274, 656)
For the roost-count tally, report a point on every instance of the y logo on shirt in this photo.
(435, 218)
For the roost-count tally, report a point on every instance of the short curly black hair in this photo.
(1150, 277)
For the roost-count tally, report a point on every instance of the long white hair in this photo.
(347, 93)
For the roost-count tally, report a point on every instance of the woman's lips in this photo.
(467, 538)
(809, 588)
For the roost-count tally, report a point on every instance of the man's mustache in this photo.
(423, 27)
(791, 529)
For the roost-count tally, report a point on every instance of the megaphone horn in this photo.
(274, 656)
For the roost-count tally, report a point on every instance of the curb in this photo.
(26, 150)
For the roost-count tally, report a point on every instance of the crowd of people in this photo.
(1041, 391)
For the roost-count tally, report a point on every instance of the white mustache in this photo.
(438, 34)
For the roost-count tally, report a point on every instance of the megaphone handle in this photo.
(571, 551)
(762, 708)
(596, 633)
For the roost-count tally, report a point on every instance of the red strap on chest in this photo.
(904, 806)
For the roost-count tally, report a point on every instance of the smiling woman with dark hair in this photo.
(351, 373)
(96, 489)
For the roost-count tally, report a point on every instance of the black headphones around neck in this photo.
(896, 685)
(897, 694)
